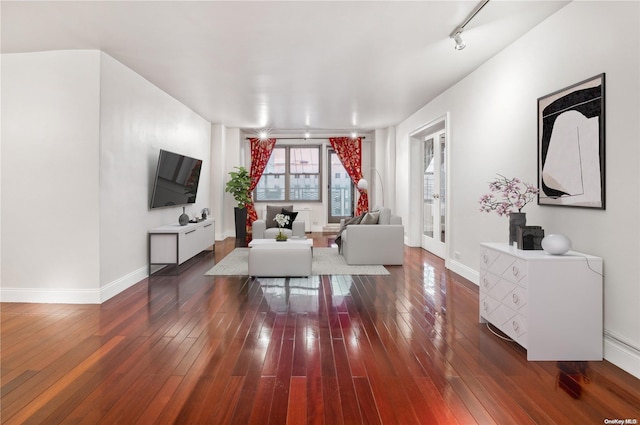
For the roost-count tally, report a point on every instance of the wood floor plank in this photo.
(44, 397)
(315, 401)
(262, 403)
(297, 404)
(366, 401)
(331, 398)
(151, 413)
(405, 348)
(348, 397)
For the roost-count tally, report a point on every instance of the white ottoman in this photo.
(280, 259)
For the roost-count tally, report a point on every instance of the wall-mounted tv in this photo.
(176, 182)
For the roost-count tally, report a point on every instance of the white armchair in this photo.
(268, 228)
(381, 243)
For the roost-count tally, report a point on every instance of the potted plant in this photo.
(238, 186)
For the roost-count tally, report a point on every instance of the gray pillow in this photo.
(371, 217)
(385, 216)
(353, 220)
(272, 210)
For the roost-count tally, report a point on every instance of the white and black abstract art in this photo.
(571, 135)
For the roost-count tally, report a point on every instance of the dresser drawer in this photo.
(516, 328)
(504, 265)
(517, 300)
(505, 292)
(511, 323)
(488, 281)
(495, 312)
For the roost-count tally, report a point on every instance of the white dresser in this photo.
(174, 244)
(549, 304)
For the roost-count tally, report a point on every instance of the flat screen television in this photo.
(176, 182)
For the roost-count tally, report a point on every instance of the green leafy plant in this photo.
(238, 186)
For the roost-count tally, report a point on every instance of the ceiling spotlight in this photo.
(458, 39)
(354, 134)
(456, 35)
(307, 135)
(263, 133)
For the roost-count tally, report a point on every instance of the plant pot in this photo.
(241, 222)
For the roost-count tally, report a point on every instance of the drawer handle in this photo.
(516, 299)
(485, 306)
(516, 326)
(186, 233)
(207, 225)
(485, 281)
(485, 259)
(516, 271)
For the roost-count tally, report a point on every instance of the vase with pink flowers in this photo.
(508, 197)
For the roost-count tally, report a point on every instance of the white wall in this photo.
(225, 155)
(493, 130)
(50, 162)
(137, 119)
(80, 136)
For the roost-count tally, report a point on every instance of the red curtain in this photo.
(260, 153)
(349, 151)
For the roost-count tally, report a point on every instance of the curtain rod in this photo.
(301, 138)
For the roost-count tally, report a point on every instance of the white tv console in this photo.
(549, 304)
(174, 244)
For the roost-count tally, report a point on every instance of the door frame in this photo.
(416, 139)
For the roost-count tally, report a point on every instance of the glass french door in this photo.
(434, 193)
(340, 190)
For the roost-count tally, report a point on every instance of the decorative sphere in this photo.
(556, 244)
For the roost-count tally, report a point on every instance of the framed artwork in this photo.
(571, 136)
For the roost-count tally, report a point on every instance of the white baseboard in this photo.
(50, 296)
(72, 296)
(622, 354)
(464, 271)
(112, 289)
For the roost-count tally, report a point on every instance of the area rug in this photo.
(326, 261)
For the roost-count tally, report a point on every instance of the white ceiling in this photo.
(289, 65)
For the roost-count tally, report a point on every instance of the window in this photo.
(292, 174)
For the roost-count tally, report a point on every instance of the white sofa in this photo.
(381, 243)
(268, 229)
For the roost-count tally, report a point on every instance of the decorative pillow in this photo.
(272, 210)
(292, 216)
(385, 216)
(371, 217)
(353, 220)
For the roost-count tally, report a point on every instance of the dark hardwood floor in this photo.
(194, 349)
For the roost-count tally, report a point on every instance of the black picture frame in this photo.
(571, 145)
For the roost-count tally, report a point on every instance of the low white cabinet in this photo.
(174, 244)
(549, 304)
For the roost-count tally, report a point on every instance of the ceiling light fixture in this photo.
(354, 135)
(263, 133)
(456, 35)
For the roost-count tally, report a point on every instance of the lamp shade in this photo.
(556, 244)
(363, 184)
